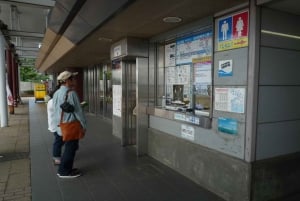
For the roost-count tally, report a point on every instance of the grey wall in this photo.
(232, 145)
(208, 138)
(239, 59)
(224, 175)
(278, 130)
(212, 159)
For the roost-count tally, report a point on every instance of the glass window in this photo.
(188, 74)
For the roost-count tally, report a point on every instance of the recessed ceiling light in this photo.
(172, 19)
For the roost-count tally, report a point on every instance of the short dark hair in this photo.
(53, 91)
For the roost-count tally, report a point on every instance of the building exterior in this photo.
(209, 88)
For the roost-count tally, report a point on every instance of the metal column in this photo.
(252, 91)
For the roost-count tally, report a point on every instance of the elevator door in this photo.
(129, 87)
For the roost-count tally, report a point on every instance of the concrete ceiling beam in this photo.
(30, 3)
(25, 34)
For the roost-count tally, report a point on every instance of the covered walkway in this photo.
(110, 171)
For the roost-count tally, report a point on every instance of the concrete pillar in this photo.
(3, 96)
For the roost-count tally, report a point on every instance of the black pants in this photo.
(67, 159)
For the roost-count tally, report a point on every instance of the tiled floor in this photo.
(14, 157)
(111, 172)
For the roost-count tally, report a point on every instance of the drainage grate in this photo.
(13, 156)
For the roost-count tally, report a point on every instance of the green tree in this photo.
(30, 74)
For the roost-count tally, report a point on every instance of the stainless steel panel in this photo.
(107, 104)
(160, 75)
(142, 103)
(124, 127)
(130, 54)
(98, 91)
(151, 74)
(128, 102)
(129, 47)
(117, 80)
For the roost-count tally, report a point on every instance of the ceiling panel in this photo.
(57, 17)
(289, 6)
(142, 19)
(96, 12)
(26, 24)
(91, 15)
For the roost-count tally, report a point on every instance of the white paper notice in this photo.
(187, 132)
(170, 54)
(202, 72)
(230, 99)
(221, 99)
(117, 100)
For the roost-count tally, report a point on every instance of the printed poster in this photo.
(233, 31)
(202, 74)
(230, 99)
(193, 47)
(170, 51)
(202, 70)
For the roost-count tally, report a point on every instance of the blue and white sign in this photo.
(225, 29)
(193, 47)
(225, 68)
(227, 125)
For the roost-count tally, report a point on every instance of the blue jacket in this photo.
(58, 99)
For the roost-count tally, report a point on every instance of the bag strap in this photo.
(67, 94)
(62, 112)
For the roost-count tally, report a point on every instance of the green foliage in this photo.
(30, 74)
(107, 74)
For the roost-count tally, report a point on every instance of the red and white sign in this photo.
(240, 25)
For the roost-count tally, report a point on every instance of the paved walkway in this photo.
(111, 172)
(14, 157)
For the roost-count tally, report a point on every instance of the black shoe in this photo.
(74, 173)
